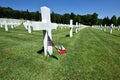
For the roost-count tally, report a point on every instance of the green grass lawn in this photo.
(91, 55)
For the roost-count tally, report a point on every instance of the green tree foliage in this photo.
(99, 21)
(89, 19)
(114, 20)
(118, 21)
(66, 18)
(5, 12)
(78, 18)
(16, 14)
(73, 17)
(106, 21)
(56, 18)
(94, 19)
(53, 17)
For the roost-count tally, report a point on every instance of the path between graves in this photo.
(80, 42)
(99, 40)
(77, 42)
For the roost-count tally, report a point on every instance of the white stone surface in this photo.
(111, 27)
(105, 27)
(76, 27)
(47, 27)
(6, 26)
(9, 22)
(101, 27)
(118, 27)
(43, 26)
(71, 28)
(29, 28)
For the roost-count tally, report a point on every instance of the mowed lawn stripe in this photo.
(92, 55)
(109, 50)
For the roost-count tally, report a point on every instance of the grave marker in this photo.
(79, 26)
(101, 26)
(6, 27)
(11, 24)
(28, 26)
(105, 27)
(1, 24)
(76, 27)
(111, 28)
(71, 27)
(118, 27)
(47, 27)
(25, 25)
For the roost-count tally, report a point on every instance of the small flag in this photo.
(50, 42)
(61, 49)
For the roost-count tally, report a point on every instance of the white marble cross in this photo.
(71, 28)
(101, 26)
(47, 27)
(28, 26)
(79, 26)
(118, 27)
(1, 24)
(6, 26)
(25, 25)
(105, 27)
(111, 28)
(76, 27)
(12, 25)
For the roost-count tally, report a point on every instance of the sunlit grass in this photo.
(91, 55)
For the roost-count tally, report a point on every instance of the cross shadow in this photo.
(41, 51)
(54, 57)
(112, 34)
(67, 35)
(107, 32)
(116, 35)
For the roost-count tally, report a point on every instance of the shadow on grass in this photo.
(42, 51)
(74, 32)
(54, 57)
(67, 36)
(112, 34)
(115, 35)
(107, 32)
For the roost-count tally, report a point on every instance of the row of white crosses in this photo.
(101, 27)
(47, 27)
(111, 28)
(118, 27)
(77, 26)
(82, 26)
(105, 27)
(27, 26)
(9, 22)
(71, 27)
(3, 23)
(63, 26)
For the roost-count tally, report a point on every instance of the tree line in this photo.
(88, 19)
